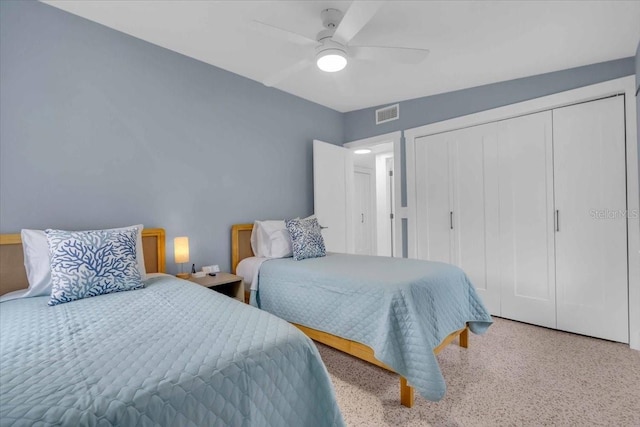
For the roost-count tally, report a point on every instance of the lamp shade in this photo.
(181, 249)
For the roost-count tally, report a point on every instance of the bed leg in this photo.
(464, 338)
(406, 393)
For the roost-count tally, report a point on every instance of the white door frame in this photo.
(390, 195)
(622, 86)
(399, 212)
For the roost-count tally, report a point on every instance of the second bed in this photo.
(395, 313)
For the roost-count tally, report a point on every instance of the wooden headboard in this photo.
(14, 277)
(240, 244)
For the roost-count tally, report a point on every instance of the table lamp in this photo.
(181, 254)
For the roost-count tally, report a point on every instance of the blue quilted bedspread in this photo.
(401, 308)
(172, 354)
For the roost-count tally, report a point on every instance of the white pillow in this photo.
(14, 295)
(270, 239)
(37, 262)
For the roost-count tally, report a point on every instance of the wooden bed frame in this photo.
(13, 276)
(241, 249)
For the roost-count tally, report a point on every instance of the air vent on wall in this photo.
(387, 114)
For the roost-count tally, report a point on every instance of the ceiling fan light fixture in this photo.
(331, 60)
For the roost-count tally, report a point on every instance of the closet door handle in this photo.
(362, 218)
(451, 219)
(557, 220)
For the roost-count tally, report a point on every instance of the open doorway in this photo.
(374, 199)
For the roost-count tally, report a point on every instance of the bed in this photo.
(172, 353)
(356, 305)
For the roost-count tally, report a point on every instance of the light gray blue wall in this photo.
(422, 111)
(100, 129)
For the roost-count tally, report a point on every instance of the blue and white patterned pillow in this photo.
(306, 236)
(90, 263)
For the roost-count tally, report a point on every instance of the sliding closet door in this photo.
(457, 205)
(475, 209)
(525, 167)
(591, 242)
(433, 198)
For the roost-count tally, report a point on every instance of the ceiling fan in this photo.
(332, 47)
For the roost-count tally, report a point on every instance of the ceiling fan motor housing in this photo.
(328, 44)
(331, 18)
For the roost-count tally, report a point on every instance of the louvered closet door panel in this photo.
(433, 198)
(475, 209)
(591, 244)
(525, 167)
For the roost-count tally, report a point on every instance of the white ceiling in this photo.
(472, 42)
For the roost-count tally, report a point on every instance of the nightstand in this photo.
(225, 283)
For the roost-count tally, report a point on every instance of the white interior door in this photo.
(333, 191)
(591, 238)
(475, 209)
(434, 224)
(384, 204)
(363, 219)
(525, 167)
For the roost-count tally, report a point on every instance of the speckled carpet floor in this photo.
(515, 374)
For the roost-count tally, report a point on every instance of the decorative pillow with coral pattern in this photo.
(90, 263)
(306, 235)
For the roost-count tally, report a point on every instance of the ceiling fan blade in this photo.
(357, 16)
(283, 74)
(403, 55)
(283, 34)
